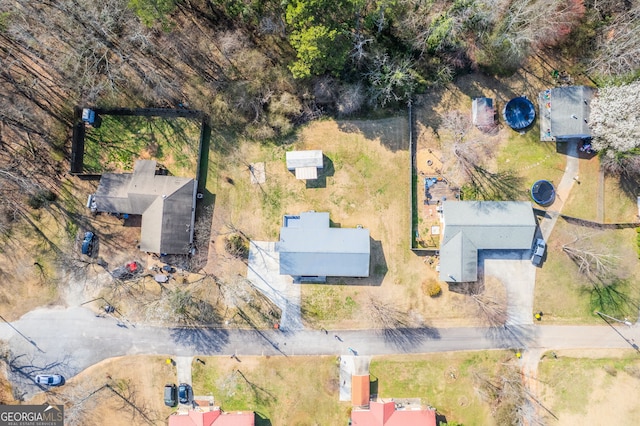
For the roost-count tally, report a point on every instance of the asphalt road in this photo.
(69, 340)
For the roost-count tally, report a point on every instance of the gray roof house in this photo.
(470, 226)
(166, 203)
(305, 164)
(310, 250)
(564, 113)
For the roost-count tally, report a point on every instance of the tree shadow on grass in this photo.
(326, 171)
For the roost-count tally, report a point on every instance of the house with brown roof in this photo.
(166, 204)
(205, 414)
(391, 413)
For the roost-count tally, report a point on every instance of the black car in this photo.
(184, 393)
(87, 243)
(170, 397)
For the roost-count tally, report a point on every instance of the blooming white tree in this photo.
(615, 126)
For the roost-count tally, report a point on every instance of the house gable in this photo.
(470, 226)
(166, 203)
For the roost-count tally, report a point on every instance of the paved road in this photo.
(70, 340)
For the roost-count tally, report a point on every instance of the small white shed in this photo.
(305, 164)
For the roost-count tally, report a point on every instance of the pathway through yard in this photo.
(569, 178)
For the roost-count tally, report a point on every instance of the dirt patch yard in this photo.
(602, 389)
(365, 181)
(118, 391)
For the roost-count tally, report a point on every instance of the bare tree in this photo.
(505, 391)
(617, 50)
(595, 262)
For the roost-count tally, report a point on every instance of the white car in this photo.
(538, 251)
(49, 379)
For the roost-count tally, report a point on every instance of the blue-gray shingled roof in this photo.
(309, 247)
(470, 226)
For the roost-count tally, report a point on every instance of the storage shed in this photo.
(305, 164)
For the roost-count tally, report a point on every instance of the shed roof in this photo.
(470, 226)
(309, 247)
(305, 163)
(360, 388)
(564, 112)
(311, 158)
(483, 113)
(306, 172)
(166, 203)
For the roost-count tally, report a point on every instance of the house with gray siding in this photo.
(310, 250)
(470, 226)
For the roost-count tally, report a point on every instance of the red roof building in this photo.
(360, 388)
(388, 414)
(203, 415)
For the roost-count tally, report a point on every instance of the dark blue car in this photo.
(87, 243)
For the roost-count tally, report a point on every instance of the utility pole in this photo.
(625, 322)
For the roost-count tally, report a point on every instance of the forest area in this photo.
(259, 68)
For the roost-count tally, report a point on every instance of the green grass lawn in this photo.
(566, 296)
(571, 387)
(284, 390)
(530, 159)
(583, 199)
(305, 390)
(429, 377)
(120, 140)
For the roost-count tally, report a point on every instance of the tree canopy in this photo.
(615, 126)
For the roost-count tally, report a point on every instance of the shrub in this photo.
(41, 198)
(238, 246)
(611, 370)
(432, 288)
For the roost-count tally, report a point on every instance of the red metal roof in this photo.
(360, 391)
(385, 414)
(213, 418)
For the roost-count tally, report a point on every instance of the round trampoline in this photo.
(519, 113)
(543, 192)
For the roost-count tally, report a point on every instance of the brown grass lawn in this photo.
(285, 390)
(617, 205)
(365, 182)
(139, 379)
(273, 386)
(565, 295)
(444, 381)
(594, 390)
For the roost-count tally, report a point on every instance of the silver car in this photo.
(49, 379)
(538, 252)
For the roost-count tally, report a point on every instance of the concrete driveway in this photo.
(264, 273)
(515, 270)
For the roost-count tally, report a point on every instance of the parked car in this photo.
(170, 395)
(87, 243)
(538, 251)
(49, 379)
(184, 393)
